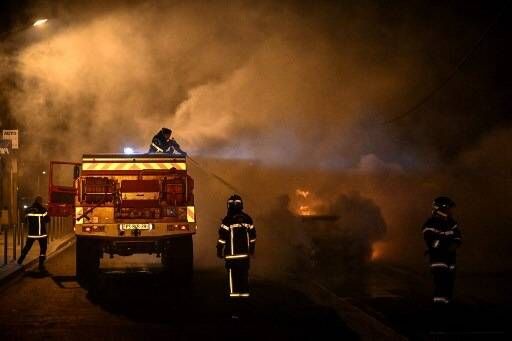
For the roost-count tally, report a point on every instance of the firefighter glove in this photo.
(220, 252)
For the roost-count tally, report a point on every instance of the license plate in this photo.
(136, 227)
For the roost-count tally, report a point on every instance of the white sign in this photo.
(11, 135)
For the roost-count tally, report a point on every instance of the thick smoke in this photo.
(276, 82)
(292, 96)
(361, 224)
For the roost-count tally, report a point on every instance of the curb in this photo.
(14, 271)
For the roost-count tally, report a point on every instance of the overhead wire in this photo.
(425, 99)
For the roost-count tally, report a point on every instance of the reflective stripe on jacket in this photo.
(237, 236)
(37, 218)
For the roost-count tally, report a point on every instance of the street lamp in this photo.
(40, 22)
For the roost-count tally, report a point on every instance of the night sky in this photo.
(458, 87)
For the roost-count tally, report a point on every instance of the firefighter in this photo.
(36, 217)
(237, 242)
(164, 143)
(442, 237)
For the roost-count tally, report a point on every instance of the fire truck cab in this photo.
(128, 204)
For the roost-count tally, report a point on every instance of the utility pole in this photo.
(12, 187)
(13, 205)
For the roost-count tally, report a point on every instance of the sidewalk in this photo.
(16, 235)
(12, 268)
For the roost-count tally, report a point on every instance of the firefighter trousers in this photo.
(43, 246)
(238, 278)
(444, 281)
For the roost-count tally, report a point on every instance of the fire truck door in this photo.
(62, 188)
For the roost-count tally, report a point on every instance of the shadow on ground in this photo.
(273, 311)
(35, 274)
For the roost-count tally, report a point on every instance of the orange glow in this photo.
(305, 210)
(40, 22)
(378, 249)
(307, 203)
(302, 193)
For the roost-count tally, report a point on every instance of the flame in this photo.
(306, 204)
(305, 210)
(377, 251)
(302, 193)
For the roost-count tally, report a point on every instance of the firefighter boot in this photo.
(42, 258)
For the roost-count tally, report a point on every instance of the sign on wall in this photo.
(12, 135)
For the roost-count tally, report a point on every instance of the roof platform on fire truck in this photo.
(133, 162)
(134, 157)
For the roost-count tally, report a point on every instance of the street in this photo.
(136, 300)
(401, 300)
(141, 304)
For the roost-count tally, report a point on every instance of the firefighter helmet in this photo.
(166, 133)
(235, 202)
(442, 204)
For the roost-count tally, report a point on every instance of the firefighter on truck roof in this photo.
(36, 217)
(163, 143)
(442, 237)
(237, 242)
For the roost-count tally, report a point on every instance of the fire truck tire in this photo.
(87, 261)
(178, 258)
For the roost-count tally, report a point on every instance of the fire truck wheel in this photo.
(87, 260)
(178, 258)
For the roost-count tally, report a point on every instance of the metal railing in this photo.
(14, 236)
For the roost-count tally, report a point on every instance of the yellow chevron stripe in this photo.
(179, 166)
(99, 166)
(78, 212)
(191, 216)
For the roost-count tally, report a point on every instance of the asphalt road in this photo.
(401, 299)
(143, 304)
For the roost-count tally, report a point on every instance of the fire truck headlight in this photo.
(128, 150)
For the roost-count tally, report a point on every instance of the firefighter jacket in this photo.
(37, 218)
(160, 144)
(442, 237)
(237, 237)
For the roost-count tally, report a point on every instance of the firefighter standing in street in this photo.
(36, 217)
(237, 242)
(163, 143)
(442, 237)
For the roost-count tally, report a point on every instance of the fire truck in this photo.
(124, 205)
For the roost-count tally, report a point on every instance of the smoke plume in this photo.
(277, 97)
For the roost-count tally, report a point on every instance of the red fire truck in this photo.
(127, 204)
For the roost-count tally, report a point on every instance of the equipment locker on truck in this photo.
(128, 204)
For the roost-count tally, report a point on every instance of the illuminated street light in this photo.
(40, 22)
(128, 150)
